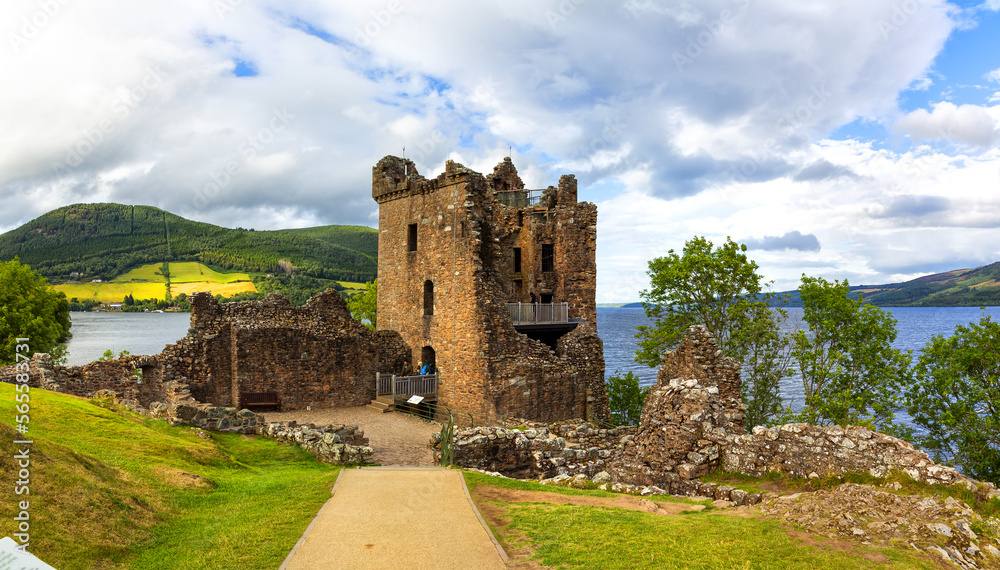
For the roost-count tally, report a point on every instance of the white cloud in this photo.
(969, 124)
(922, 84)
(705, 114)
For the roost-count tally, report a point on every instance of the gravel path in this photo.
(397, 517)
(397, 439)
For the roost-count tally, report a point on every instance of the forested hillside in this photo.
(106, 240)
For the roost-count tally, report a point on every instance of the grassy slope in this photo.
(109, 239)
(106, 490)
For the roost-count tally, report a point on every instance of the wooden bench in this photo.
(250, 400)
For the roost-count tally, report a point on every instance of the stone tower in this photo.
(461, 259)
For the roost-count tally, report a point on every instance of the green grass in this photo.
(107, 490)
(473, 480)
(908, 486)
(569, 536)
(572, 536)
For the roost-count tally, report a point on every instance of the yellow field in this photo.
(224, 289)
(185, 277)
(113, 292)
(149, 272)
(353, 285)
(192, 272)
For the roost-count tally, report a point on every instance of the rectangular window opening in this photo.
(517, 260)
(548, 257)
(411, 238)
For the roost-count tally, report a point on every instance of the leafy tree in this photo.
(721, 289)
(956, 398)
(851, 375)
(625, 398)
(364, 306)
(30, 308)
(109, 355)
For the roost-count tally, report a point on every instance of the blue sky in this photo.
(844, 138)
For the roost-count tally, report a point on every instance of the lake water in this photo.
(138, 333)
(148, 333)
(915, 326)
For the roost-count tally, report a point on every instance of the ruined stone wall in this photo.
(801, 450)
(569, 226)
(486, 366)
(531, 450)
(535, 385)
(692, 424)
(137, 378)
(314, 355)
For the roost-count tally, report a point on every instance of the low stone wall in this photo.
(337, 444)
(801, 450)
(134, 378)
(534, 451)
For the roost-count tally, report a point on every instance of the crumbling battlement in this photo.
(454, 251)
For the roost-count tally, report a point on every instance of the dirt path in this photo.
(397, 439)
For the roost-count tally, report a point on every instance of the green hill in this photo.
(107, 240)
(957, 288)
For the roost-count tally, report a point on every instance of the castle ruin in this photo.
(495, 285)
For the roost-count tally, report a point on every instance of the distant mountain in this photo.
(958, 288)
(106, 240)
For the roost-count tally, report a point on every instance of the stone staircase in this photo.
(382, 404)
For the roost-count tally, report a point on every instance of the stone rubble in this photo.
(692, 424)
(880, 517)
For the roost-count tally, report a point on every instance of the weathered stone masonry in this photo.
(691, 425)
(314, 355)
(447, 270)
